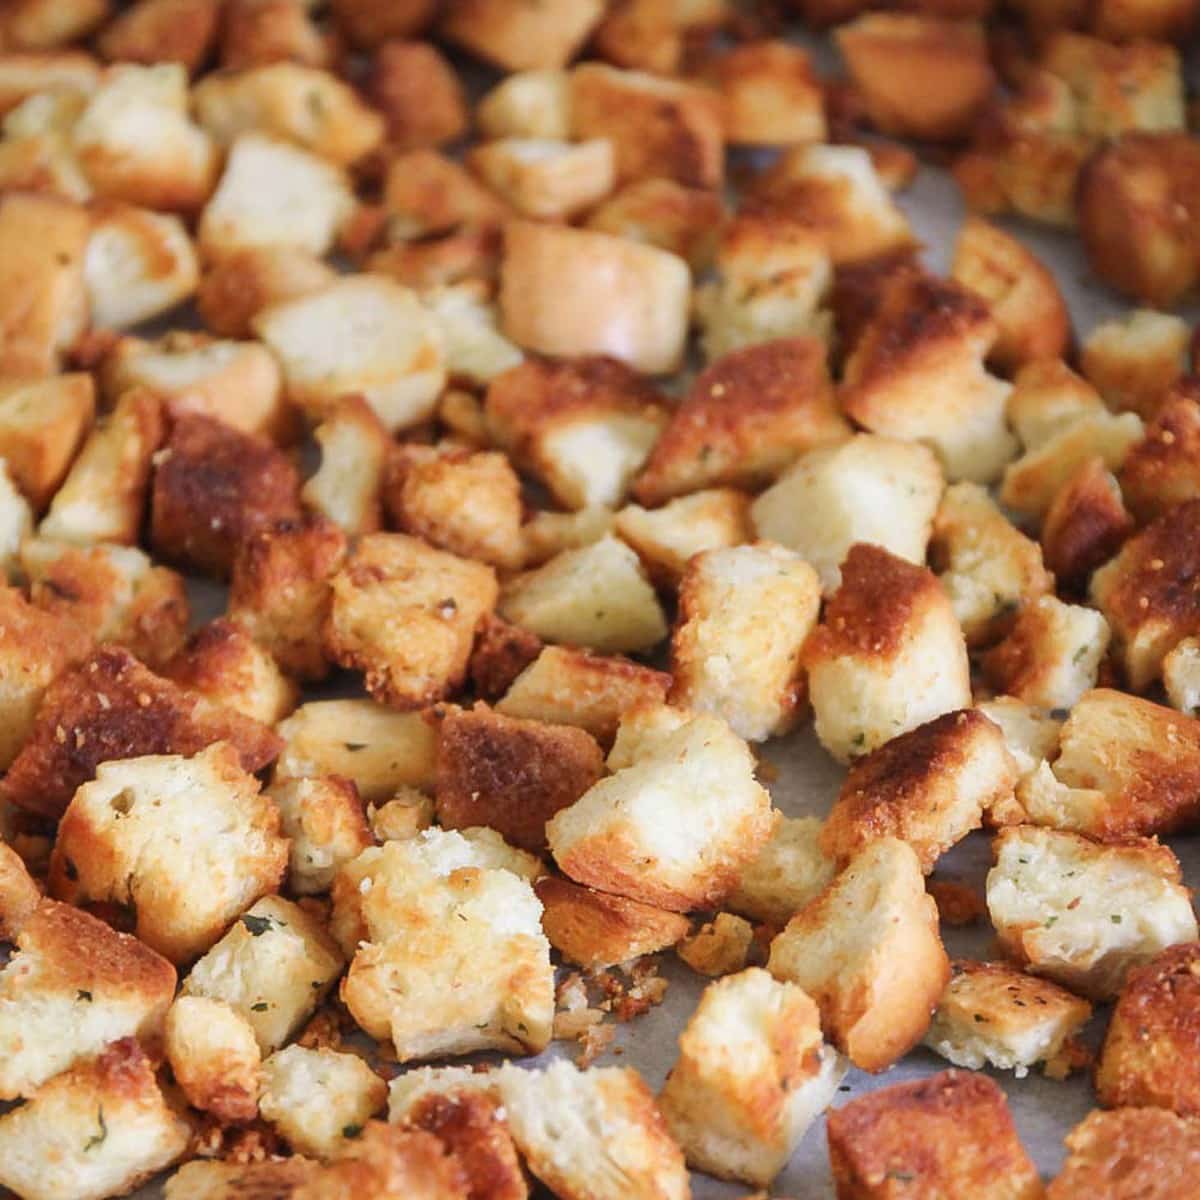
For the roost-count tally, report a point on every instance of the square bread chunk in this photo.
(324, 820)
(215, 1057)
(790, 870)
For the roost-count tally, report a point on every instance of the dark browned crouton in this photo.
(1163, 469)
(1085, 524)
(156, 31)
(502, 651)
(419, 94)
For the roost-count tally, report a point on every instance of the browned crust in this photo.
(19, 894)
(418, 93)
(1085, 525)
(257, 32)
(1163, 469)
(155, 31)
(860, 287)
(502, 651)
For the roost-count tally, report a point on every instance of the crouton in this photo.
(523, 37)
(240, 285)
(214, 486)
(26, 73)
(1087, 521)
(948, 1135)
(214, 1057)
(1146, 592)
(115, 592)
(596, 1134)
(654, 833)
(217, 1179)
(324, 820)
(384, 1160)
(546, 533)
(865, 490)
(406, 615)
(1081, 913)
(992, 1014)
(419, 95)
(1047, 397)
(1181, 676)
(990, 570)
(648, 36)
(663, 213)
(72, 987)
(406, 814)
(788, 872)
(510, 775)
(667, 538)
(19, 894)
(476, 352)
(867, 951)
(42, 425)
(546, 179)
(1134, 360)
(527, 104)
(94, 1131)
(426, 193)
(347, 486)
(770, 93)
(1032, 321)
(366, 24)
(1160, 471)
(549, 302)
(279, 590)
(151, 31)
(1030, 734)
(644, 729)
(16, 522)
(719, 947)
(929, 787)
(469, 255)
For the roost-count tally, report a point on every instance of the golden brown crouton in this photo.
(151, 31)
(509, 774)
(663, 213)
(257, 32)
(389, 1162)
(240, 285)
(217, 1179)
(650, 36)
(426, 193)
(789, 871)
(948, 1135)
(533, 104)
(19, 894)
(419, 95)
(43, 24)
(719, 947)
(523, 36)
(324, 819)
(1048, 397)
(544, 179)
(42, 425)
(548, 533)
(1163, 469)
(215, 486)
(771, 94)
(502, 651)
(112, 707)
(1087, 521)
(347, 487)
(367, 23)
(214, 1057)
(1133, 361)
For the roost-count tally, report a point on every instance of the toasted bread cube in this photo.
(502, 651)
(1181, 676)
(865, 490)
(790, 870)
(72, 987)
(426, 193)
(667, 538)
(238, 287)
(990, 570)
(420, 96)
(510, 775)
(1030, 734)
(549, 302)
(181, 31)
(19, 893)
(1166, 20)
(1134, 360)
(888, 656)
(546, 179)
(115, 592)
(929, 787)
(407, 615)
(750, 1036)
(1047, 397)
(719, 947)
(95, 1131)
(992, 1014)
(1160, 471)
(214, 486)
(16, 522)
(663, 213)
(317, 1099)
(1086, 522)
(948, 1135)
(1081, 913)
(216, 1179)
(596, 1134)
(324, 819)
(867, 951)
(214, 1057)
(674, 828)
(527, 104)
(771, 94)
(367, 24)
(280, 590)
(644, 729)
(1146, 592)
(546, 534)
(388, 1160)
(26, 73)
(476, 352)
(347, 486)
(524, 37)
(134, 836)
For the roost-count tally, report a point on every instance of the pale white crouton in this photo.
(744, 616)
(16, 521)
(325, 821)
(596, 596)
(1030, 733)
(673, 829)
(1047, 397)
(275, 194)
(214, 1057)
(992, 1014)
(1134, 359)
(527, 104)
(645, 727)
(751, 1076)
(347, 486)
(362, 334)
(546, 179)
(592, 1135)
(1082, 913)
(888, 655)
(475, 349)
(273, 967)
(1181, 676)
(789, 871)
(867, 489)
(95, 1131)
(317, 1099)
(546, 534)
(867, 951)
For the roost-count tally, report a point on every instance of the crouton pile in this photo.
(547, 406)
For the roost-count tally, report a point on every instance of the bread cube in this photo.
(217, 1179)
(1160, 471)
(475, 350)
(1030, 733)
(1082, 913)
(347, 486)
(522, 38)
(420, 96)
(867, 951)
(547, 533)
(468, 255)
(388, 1160)
(1181, 676)
(546, 179)
(674, 828)
(72, 987)
(16, 522)
(950, 1134)
(181, 31)
(239, 286)
(527, 104)
(1047, 397)
(992, 1014)
(865, 490)
(644, 729)
(1086, 523)
(366, 24)
(789, 871)
(425, 193)
(1134, 360)
(27, 73)
(750, 1036)
(662, 213)
(19, 893)
(719, 947)
(324, 820)
(214, 1057)
(97, 1130)
(42, 425)
(645, 35)
(771, 94)
(549, 302)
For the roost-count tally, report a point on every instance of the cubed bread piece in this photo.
(788, 872)
(592, 1135)
(347, 486)
(214, 1057)
(406, 814)
(645, 35)
(45, 24)
(103, 497)
(274, 194)
(527, 104)
(993, 1014)
(150, 31)
(718, 947)
(1047, 397)
(1181, 676)
(1082, 913)
(868, 489)
(1163, 469)
(326, 825)
(771, 94)
(644, 729)
(548, 533)
(406, 615)
(425, 194)
(549, 302)
(744, 616)
(16, 522)
(389, 1161)
(256, 32)
(42, 425)
(362, 334)
(888, 655)
(867, 951)
(95, 1131)
(1030, 733)
(419, 94)
(239, 286)
(524, 37)
(115, 592)
(662, 213)
(216, 1179)
(929, 787)
(546, 179)
(410, 1092)
(19, 893)
(510, 775)
(71, 988)
(26, 73)
(574, 687)
(318, 1099)
(1133, 361)
(751, 1076)
(366, 24)
(376, 749)
(468, 323)
(948, 1135)
(1086, 523)
(280, 590)
(1147, 595)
